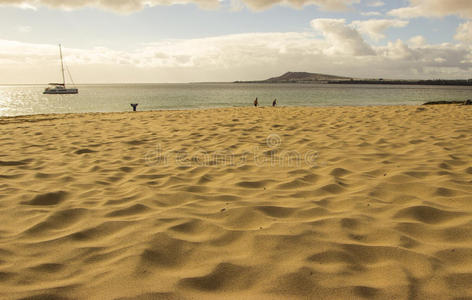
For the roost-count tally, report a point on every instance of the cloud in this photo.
(371, 13)
(434, 8)
(375, 28)
(127, 6)
(464, 32)
(335, 48)
(342, 38)
(417, 41)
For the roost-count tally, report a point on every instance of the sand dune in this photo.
(239, 203)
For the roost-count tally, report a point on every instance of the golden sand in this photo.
(241, 203)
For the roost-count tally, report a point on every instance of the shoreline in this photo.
(220, 108)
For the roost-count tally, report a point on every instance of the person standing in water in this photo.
(256, 103)
(274, 104)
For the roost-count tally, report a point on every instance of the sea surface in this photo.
(28, 99)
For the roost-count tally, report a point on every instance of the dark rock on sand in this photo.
(443, 102)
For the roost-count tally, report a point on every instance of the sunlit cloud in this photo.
(375, 28)
(417, 41)
(334, 46)
(434, 8)
(464, 32)
(342, 38)
(371, 13)
(127, 6)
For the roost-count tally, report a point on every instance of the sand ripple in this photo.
(242, 203)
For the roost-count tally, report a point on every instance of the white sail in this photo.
(60, 88)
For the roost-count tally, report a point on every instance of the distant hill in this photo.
(301, 77)
(305, 77)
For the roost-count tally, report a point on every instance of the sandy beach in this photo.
(238, 203)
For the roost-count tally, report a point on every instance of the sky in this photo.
(150, 41)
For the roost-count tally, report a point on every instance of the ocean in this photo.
(28, 99)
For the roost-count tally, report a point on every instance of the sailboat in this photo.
(60, 88)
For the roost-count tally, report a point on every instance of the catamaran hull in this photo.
(61, 92)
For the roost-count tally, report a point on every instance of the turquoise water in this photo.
(26, 100)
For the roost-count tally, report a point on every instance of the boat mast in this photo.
(62, 66)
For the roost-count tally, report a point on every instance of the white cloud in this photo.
(337, 49)
(375, 28)
(342, 38)
(464, 32)
(439, 61)
(371, 13)
(25, 6)
(417, 41)
(434, 8)
(126, 6)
